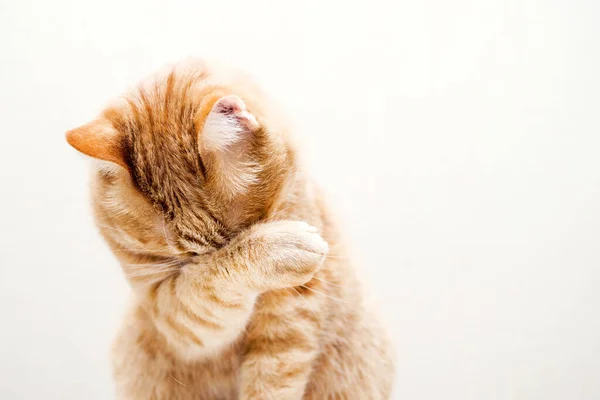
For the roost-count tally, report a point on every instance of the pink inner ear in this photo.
(230, 104)
(233, 106)
(227, 123)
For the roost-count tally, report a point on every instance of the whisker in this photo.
(145, 253)
(141, 252)
(306, 302)
(158, 275)
(109, 227)
(338, 257)
(323, 294)
(141, 274)
(178, 381)
(174, 263)
(154, 265)
(151, 267)
(326, 282)
(150, 272)
(280, 212)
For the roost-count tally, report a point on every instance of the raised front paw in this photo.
(287, 253)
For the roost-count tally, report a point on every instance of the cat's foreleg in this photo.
(282, 347)
(282, 340)
(209, 302)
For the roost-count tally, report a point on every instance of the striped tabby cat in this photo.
(241, 285)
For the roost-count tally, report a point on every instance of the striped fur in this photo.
(233, 296)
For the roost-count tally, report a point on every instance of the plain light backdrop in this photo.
(459, 140)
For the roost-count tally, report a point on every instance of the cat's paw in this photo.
(288, 253)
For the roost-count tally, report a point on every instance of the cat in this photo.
(241, 285)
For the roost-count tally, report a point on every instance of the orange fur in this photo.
(233, 296)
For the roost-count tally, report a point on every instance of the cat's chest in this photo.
(216, 377)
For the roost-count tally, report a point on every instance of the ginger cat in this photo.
(241, 285)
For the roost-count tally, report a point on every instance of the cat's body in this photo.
(233, 297)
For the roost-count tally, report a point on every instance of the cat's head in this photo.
(187, 160)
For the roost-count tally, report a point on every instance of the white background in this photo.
(458, 139)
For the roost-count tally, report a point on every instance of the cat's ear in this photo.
(100, 140)
(224, 140)
(227, 123)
